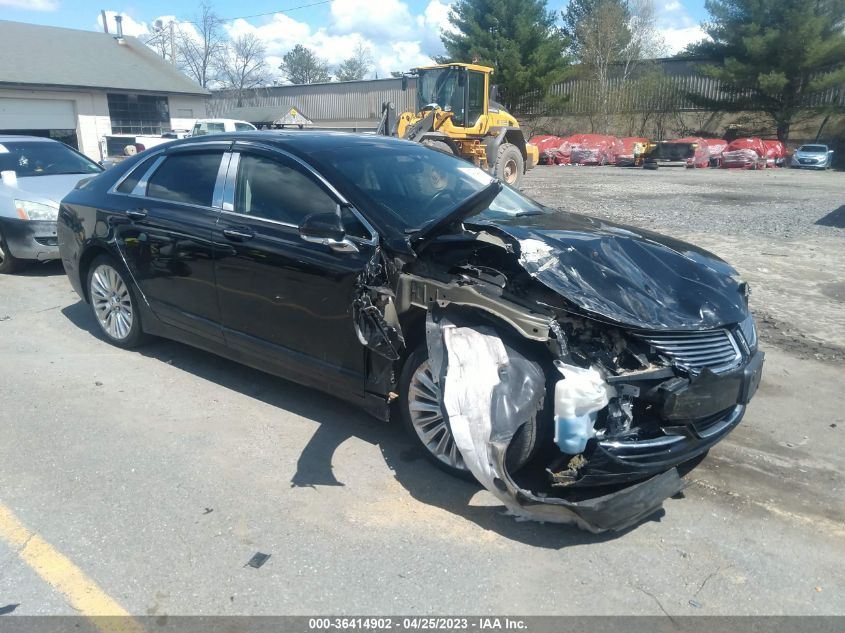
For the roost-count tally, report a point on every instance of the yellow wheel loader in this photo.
(457, 114)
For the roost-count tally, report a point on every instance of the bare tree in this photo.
(241, 65)
(198, 48)
(158, 39)
(357, 66)
(611, 38)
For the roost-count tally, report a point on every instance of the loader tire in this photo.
(440, 146)
(510, 165)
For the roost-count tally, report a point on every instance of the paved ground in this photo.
(157, 474)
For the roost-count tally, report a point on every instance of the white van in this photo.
(218, 126)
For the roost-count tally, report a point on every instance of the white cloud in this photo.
(677, 38)
(32, 5)
(398, 39)
(388, 19)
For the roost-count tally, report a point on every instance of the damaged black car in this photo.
(569, 364)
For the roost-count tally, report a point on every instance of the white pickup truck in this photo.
(218, 126)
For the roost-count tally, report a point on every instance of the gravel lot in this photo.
(158, 473)
(783, 229)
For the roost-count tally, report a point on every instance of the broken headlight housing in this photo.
(749, 332)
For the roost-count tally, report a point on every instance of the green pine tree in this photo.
(518, 38)
(773, 55)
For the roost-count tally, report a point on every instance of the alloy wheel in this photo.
(427, 418)
(112, 302)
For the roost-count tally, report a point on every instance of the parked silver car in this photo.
(36, 174)
(812, 157)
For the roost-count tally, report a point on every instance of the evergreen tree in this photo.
(773, 55)
(518, 38)
(301, 65)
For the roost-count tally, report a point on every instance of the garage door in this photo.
(36, 114)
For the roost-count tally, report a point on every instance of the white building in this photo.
(94, 91)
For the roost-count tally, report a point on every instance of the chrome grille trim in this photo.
(715, 349)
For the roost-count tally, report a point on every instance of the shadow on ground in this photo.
(835, 218)
(338, 422)
(42, 269)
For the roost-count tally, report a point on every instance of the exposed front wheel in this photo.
(509, 165)
(428, 428)
(8, 262)
(113, 303)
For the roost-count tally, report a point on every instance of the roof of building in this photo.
(31, 54)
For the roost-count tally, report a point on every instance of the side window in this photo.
(200, 129)
(243, 127)
(273, 190)
(216, 128)
(475, 86)
(187, 178)
(134, 178)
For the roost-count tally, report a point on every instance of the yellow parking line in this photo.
(59, 572)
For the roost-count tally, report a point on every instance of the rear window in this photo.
(187, 178)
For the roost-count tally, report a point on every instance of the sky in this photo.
(401, 34)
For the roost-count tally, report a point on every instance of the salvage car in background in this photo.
(36, 174)
(812, 156)
(547, 354)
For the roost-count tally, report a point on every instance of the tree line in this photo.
(767, 55)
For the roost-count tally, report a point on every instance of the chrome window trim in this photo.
(141, 188)
(220, 181)
(231, 182)
(119, 181)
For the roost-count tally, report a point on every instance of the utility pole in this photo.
(105, 21)
(172, 44)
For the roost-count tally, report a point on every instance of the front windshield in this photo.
(812, 148)
(441, 87)
(43, 158)
(413, 186)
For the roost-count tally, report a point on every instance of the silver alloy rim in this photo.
(112, 302)
(427, 418)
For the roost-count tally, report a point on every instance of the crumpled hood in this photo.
(50, 187)
(624, 274)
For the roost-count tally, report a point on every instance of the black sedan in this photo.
(569, 364)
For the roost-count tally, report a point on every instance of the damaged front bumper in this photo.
(490, 390)
(695, 415)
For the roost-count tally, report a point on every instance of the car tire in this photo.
(9, 263)
(417, 388)
(114, 303)
(509, 165)
(440, 146)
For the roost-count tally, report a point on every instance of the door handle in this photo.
(238, 234)
(137, 214)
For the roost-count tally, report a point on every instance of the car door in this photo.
(166, 237)
(285, 300)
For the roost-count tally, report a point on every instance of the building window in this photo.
(138, 114)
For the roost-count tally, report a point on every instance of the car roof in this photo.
(17, 138)
(295, 141)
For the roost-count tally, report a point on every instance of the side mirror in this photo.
(326, 229)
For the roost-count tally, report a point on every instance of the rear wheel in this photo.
(8, 262)
(510, 165)
(428, 428)
(113, 303)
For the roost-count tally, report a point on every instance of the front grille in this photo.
(714, 349)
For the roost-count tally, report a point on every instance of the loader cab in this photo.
(461, 89)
